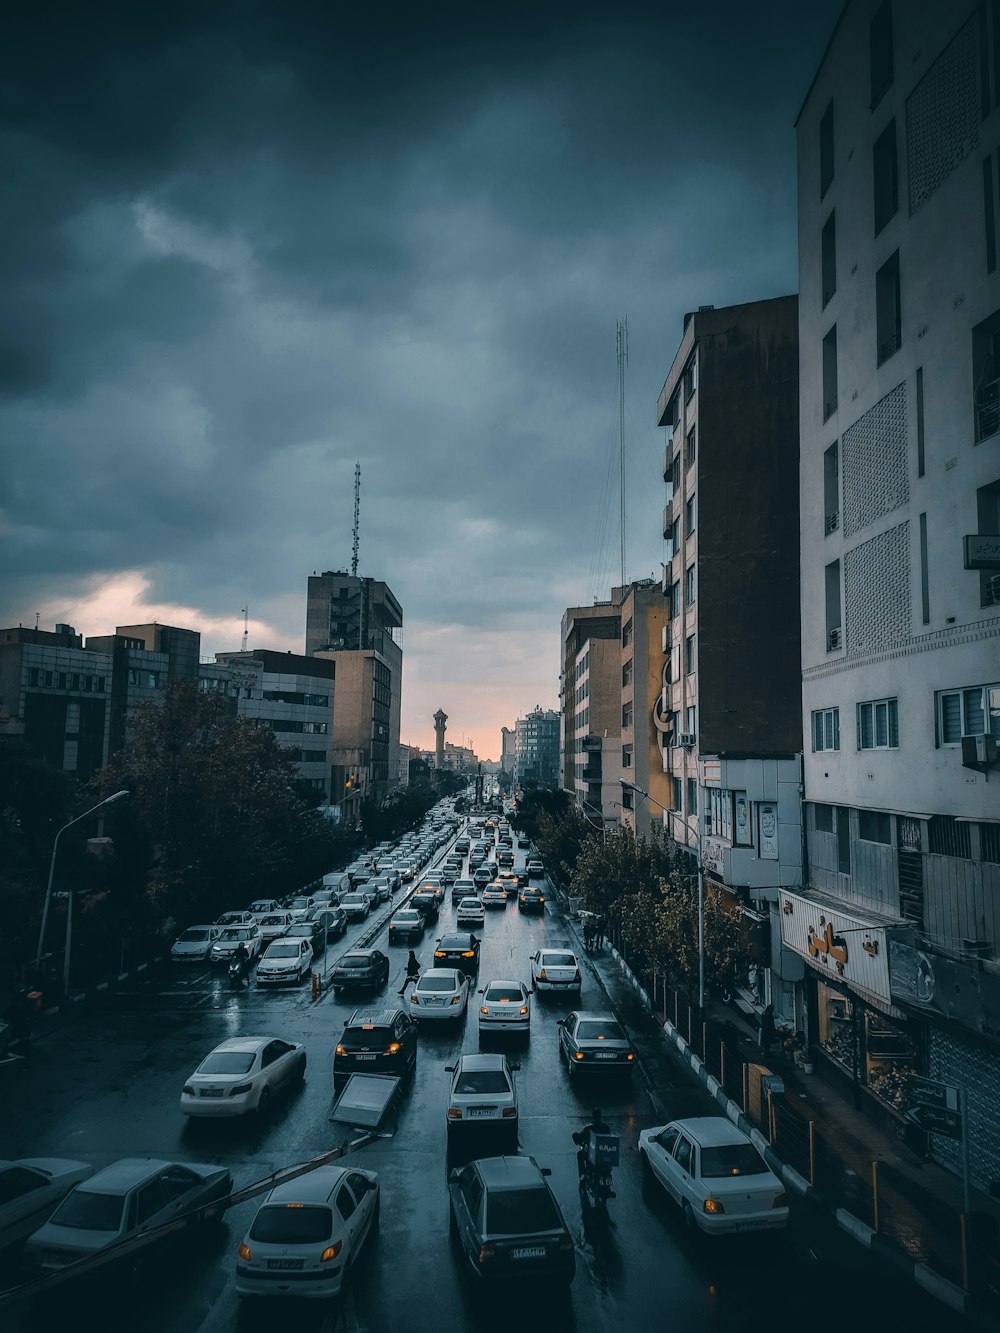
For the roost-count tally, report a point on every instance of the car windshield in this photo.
(300, 931)
(283, 951)
(470, 905)
(354, 960)
(406, 918)
(292, 1224)
(273, 921)
(352, 898)
(461, 942)
(515, 1212)
(731, 1159)
(558, 960)
(482, 1080)
(195, 936)
(227, 1062)
(599, 1030)
(436, 983)
(296, 903)
(90, 1212)
(235, 933)
(366, 1035)
(500, 993)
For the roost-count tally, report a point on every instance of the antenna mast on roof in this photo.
(357, 515)
(622, 341)
(246, 627)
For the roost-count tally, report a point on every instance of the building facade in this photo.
(899, 331)
(644, 655)
(536, 748)
(579, 624)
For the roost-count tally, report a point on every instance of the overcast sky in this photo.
(246, 245)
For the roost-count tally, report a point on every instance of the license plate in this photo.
(750, 1226)
(482, 1110)
(364, 1057)
(529, 1252)
(605, 1055)
(285, 1263)
(439, 1003)
(211, 1092)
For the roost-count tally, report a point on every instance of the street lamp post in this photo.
(52, 865)
(675, 814)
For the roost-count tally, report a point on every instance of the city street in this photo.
(107, 1085)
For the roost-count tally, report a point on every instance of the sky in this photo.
(244, 246)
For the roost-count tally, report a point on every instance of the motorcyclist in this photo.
(581, 1137)
(242, 958)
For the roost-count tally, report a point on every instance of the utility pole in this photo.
(357, 515)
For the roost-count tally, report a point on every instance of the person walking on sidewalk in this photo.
(768, 1035)
(599, 932)
(412, 971)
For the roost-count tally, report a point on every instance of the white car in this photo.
(356, 905)
(440, 993)
(195, 944)
(505, 1007)
(307, 1234)
(407, 869)
(30, 1189)
(299, 906)
(274, 925)
(379, 889)
(714, 1172)
(262, 906)
(242, 1075)
(232, 937)
(286, 959)
(555, 969)
(482, 1092)
(471, 912)
(236, 919)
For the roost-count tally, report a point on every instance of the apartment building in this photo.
(899, 335)
(536, 748)
(643, 657)
(730, 710)
(581, 624)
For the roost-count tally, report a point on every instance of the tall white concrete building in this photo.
(899, 338)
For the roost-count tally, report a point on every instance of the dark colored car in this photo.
(508, 1222)
(523, 841)
(505, 858)
(461, 951)
(426, 902)
(595, 1040)
(531, 900)
(333, 920)
(360, 967)
(312, 930)
(376, 1041)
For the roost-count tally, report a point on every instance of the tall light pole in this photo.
(109, 800)
(675, 814)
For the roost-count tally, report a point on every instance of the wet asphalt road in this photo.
(107, 1085)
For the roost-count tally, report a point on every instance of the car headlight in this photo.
(484, 1010)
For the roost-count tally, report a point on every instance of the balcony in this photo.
(834, 640)
(668, 518)
(668, 462)
(592, 773)
(832, 523)
(591, 743)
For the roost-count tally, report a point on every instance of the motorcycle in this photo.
(600, 1154)
(239, 971)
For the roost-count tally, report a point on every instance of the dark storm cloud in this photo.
(244, 245)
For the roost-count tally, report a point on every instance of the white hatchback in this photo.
(716, 1174)
(242, 1075)
(471, 912)
(273, 926)
(306, 1234)
(440, 993)
(286, 959)
(555, 969)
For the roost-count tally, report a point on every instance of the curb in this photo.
(70, 1003)
(922, 1276)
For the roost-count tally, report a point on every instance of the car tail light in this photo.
(455, 999)
(414, 999)
(509, 1112)
(246, 1253)
(487, 1252)
(439, 953)
(779, 1201)
(483, 1010)
(630, 1056)
(331, 1251)
(713, 1206)
(240, 1088)
(392, 1048)
(578, 1055)
(523, 1009)
(542, 976)
(340, 1049)
(469, 953)
(454, 1113)
(577, 976)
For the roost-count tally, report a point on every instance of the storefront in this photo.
(852, 1023)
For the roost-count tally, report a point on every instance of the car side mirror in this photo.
(481, 991)
(515, 1068)
(546, 1170)
(449, 1069)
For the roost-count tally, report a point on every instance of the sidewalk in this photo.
(914, 1224)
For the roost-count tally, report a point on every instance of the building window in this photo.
(831, 488)
(689, 585)
(691, 720)
(880, 52)
(989, 215)
(988, 513)
(829, 261)
(823, 818)
(885, 176)
(626, 756)
(834, 636)
(888, 317)
(689, 655)
(986, 376)
(830, 373)
(627, 634)
(626, 715)
(948, 836)
(690, 378)
(32, 675)
(692, 446)
(627, 671)
(678, 794)
(674, 599)
(826, 151)
(843, 840)
(675, 473)
(689, 517)
(968, 712)
(692, 794)
(826, 729)
(878, 725)
(874, 826)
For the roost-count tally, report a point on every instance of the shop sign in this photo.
(769, 831)
(943, 986)
(833, 942)
(933, 1107)
(742, 819)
